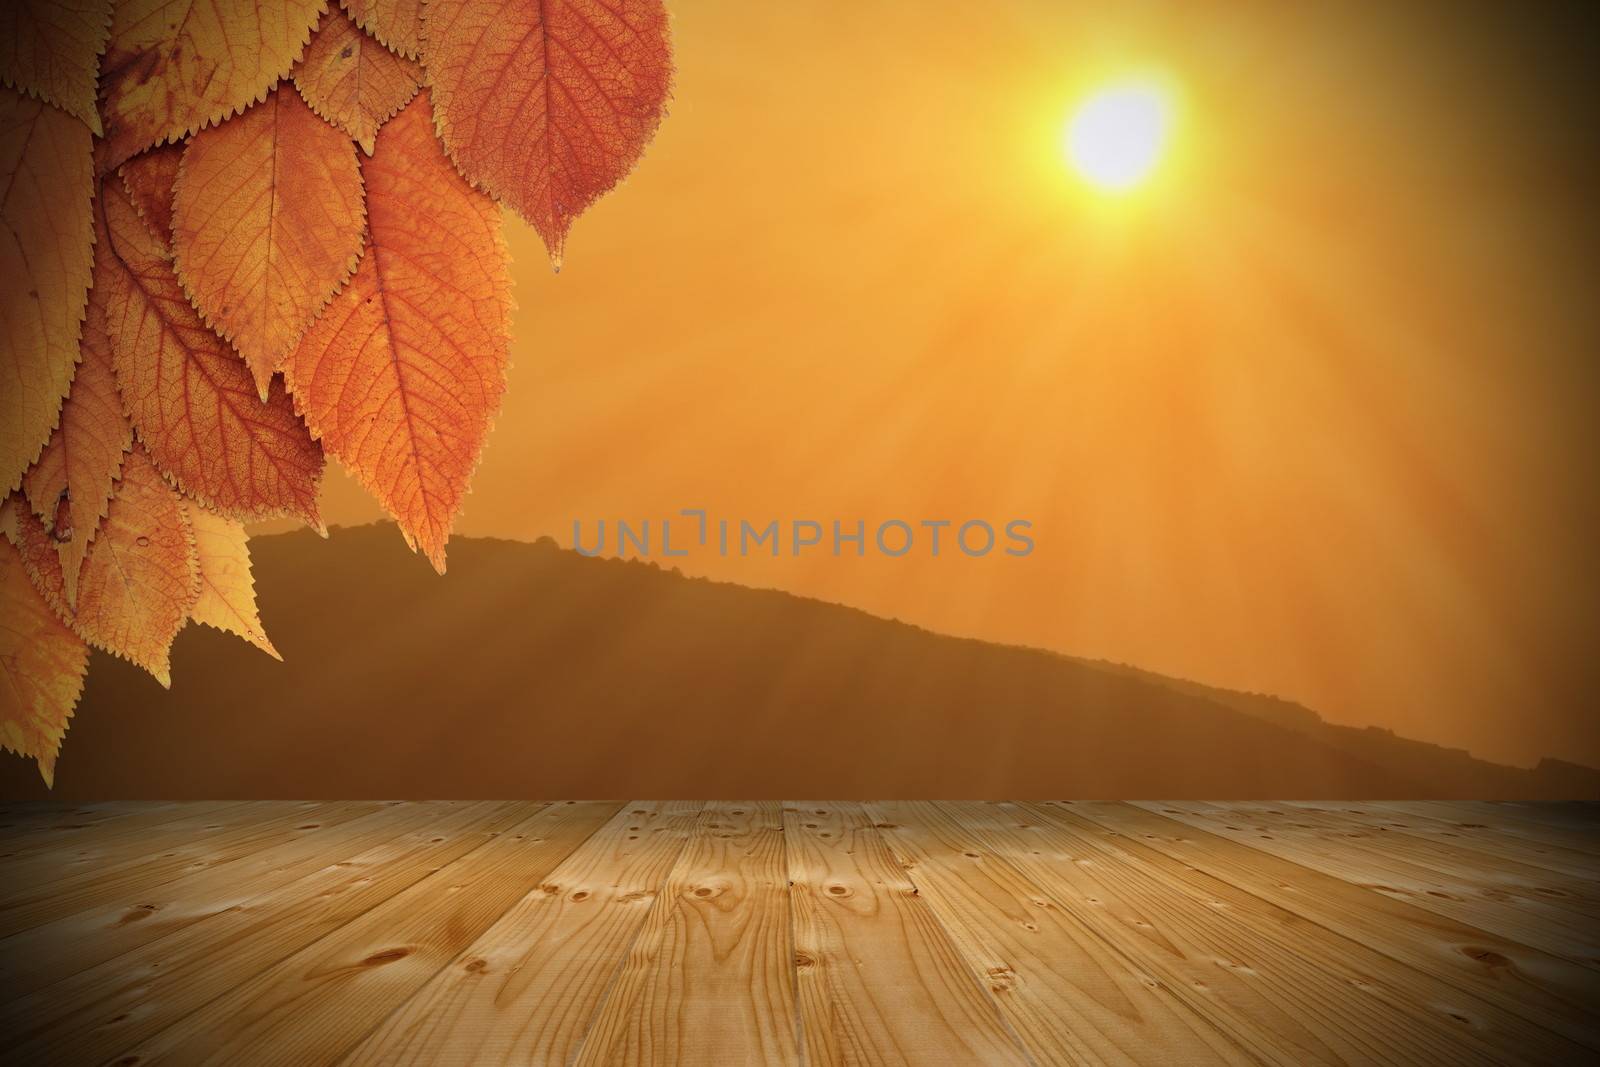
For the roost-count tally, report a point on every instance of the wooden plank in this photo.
(1470, 899)
(1574, 816)
(1547, 990)
(243, 834)
(44, 826)
(710, 978)
(1449, 823)
(1499, 819)
(38, 956)
(1290, 991)
(136, 834)
(527, 989)
(1068, 996)
(1453, 862)
(314, 1006)
(91, 1016)
(62, 870)
(880, 983)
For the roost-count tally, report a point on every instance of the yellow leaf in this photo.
(401, 376)
(50, 49)
(227, 590)
(46, 253)
(397, 23)
(43, 662)
(267, 223)
(175, 66)
(190, 397)
(353, 81)
(70, 486)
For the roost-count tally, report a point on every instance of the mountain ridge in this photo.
(534, 671)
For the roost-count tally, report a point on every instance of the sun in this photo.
(1118, 135)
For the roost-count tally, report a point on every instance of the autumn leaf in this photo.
(267, 223)
(40, 560)
(401, 376)
(352, 80)
(227, 591)
(175, 66)
(70, 486)
(397, 23)
(50, 50)
(190, 397)
(230, 229)
(148, 179)
(43, 662)
(547, 106)
(141, 577)
(46, 255)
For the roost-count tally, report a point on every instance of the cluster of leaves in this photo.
(240, 235)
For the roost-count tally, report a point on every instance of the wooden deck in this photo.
(803, 932)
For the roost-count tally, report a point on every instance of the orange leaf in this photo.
(353, 81)
(43, 662)
(38, 551)
(267, 223)
(46, 252)
(190, 397)
(50, 49)
(402, 374)
(70, 486)
(141, 578)
(397, 23)
(174, 66)
(547, 106)
(227, 590)
(148, 179)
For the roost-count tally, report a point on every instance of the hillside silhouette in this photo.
(532, 671)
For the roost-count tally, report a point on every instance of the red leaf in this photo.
(546, 106)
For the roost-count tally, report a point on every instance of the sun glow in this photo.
(1118, 135)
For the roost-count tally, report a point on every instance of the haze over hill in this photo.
(532, 671)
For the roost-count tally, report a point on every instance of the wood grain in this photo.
(78, 888)
(36, 957)
(1551, 991)
(1067, 994)
(1265, 977)
(112, 1006)
(880, 982)
(709, 979)
(100, 848)
(29, 828)
(1501, 874)
(1463, 893)
(314, 1005)
(527, 989)
(886, 933)
(1483, 827)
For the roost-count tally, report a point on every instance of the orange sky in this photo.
(1311, 415)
